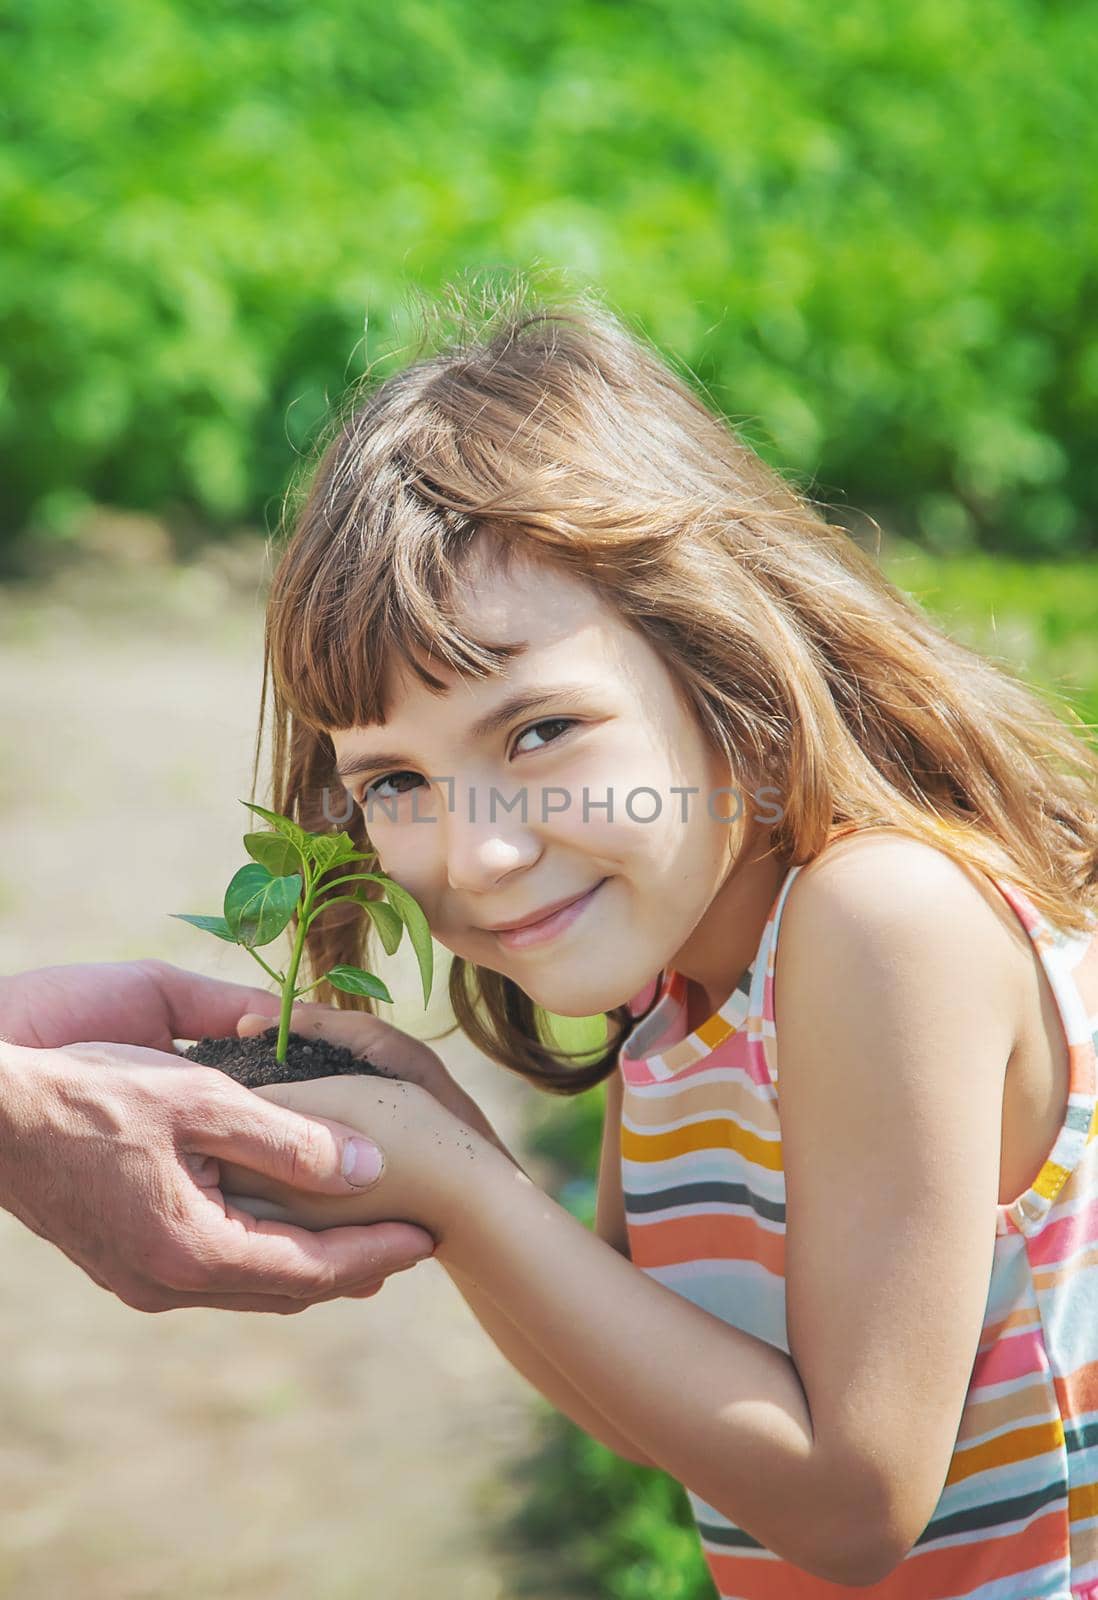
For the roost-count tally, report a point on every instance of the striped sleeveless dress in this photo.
(704, 1191)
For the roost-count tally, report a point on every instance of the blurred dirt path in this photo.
(355, 1450)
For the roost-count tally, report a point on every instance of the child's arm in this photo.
(528, 1360)
(721, 1411)
(516, 1348)
(891, 1120)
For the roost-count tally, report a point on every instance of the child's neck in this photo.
(725, 942)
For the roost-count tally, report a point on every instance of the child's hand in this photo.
(429, 1155)
(392, 1051)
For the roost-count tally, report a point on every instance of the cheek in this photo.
(612, 805)
(400, 848)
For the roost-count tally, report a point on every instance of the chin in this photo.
(592, 1004)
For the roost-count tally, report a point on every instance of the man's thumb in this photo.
(300, 1149)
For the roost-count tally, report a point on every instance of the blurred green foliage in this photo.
(1037, 619)
(869, 232)
(623, 1531)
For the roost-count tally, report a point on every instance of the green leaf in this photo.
(352, 980)
(258, 905)
(419, 931)
(283, 825)
(325, 852)
(409, 912)
(273, 851)
(333, 849)
(388, 924)
(216, 925)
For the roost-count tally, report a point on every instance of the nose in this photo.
(481, 851)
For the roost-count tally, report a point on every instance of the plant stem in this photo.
(354, 877)
(291, 971)
(271, 973)
(322, 905)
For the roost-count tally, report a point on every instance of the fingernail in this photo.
(362, 1162)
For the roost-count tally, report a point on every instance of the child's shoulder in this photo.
(904, 895)
(858, 869)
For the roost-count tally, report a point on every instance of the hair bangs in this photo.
(343, 632)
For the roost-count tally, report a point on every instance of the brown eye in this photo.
(374, 787)
(547, 722)
(388, 777)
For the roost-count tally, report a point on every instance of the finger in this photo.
(253, 1022)
(269, 1211)
(390, 1051)
(199, 1006)
(106, 1053)
(238, 1180)
(358, 1031)
(315, 1215)
(171, 1300)
(279, 1258)
(280, 1305)
(266, 1210)
(240, 1126)
(263, 1210)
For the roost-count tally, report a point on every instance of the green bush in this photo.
(617, 1529)
(868, 232)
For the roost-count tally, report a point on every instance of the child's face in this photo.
(628, 733)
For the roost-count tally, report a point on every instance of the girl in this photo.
(585, 665)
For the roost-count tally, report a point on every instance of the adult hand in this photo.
(112, 1152)
(395, 1053)
(147, 1003)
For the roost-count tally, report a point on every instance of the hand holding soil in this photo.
(348, 1043)
(112, 1149)
(431, 1158)
(383, 1048)
(146, 1003)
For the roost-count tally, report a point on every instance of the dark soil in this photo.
(252, 1063)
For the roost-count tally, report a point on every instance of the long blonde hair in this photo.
(549, 426)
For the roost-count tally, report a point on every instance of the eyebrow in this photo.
(517, 705)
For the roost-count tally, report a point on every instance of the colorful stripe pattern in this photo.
(704, 1188)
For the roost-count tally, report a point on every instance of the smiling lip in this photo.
(547, 923)
(539, 916)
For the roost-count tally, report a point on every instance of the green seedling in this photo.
(283, 877)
